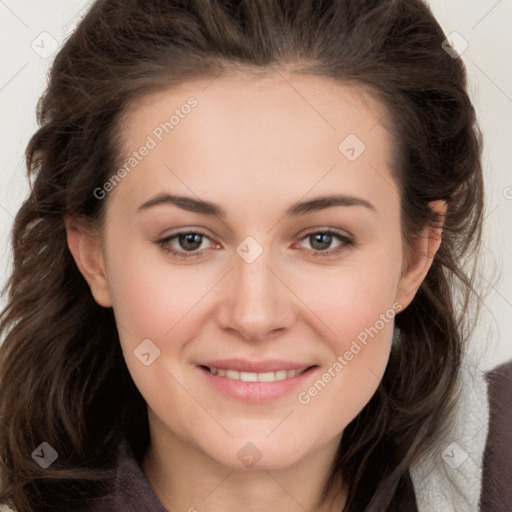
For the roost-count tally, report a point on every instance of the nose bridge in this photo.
(258, 302)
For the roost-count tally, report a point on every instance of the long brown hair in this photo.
(63, 379)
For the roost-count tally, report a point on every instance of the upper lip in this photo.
(243, 365)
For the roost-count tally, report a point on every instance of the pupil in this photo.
(190, 238)
(319, 237)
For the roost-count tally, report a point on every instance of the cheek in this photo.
(150, 297)
(359, 352)
(154, 301)
(352, 298)
(357, 305)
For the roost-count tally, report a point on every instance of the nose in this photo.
(257, 302)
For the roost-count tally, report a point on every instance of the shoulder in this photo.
(497, 462)
(130, 490)
(449, 475)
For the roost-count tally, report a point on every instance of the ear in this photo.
(87, 250)
(422, 258)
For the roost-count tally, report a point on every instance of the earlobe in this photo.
(422, 258)
(86, 249)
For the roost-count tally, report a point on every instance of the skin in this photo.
(253, 146)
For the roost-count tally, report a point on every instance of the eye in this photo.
(189, 241)
(321, 240)
(188, 244)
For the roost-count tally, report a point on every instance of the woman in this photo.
(235, 277)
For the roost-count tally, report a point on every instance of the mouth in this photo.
(253, 376)
(255, 382)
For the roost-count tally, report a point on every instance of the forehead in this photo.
(262, 134)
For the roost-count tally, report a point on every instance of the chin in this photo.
(258, 454)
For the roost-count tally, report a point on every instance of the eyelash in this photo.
(347, 242)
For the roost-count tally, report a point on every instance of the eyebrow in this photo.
(300, 208)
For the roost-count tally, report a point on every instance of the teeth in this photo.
(233, 374)
(266, 377)
(248, 377)
(281, 374)
(255, 377)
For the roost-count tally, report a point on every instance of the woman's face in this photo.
(290, 300)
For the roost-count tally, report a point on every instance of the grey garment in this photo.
(131, 491)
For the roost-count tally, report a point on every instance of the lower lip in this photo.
(256, 392)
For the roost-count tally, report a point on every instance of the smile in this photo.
(255, 381)
(255, 377)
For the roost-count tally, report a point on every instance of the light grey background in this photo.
(30, 30)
